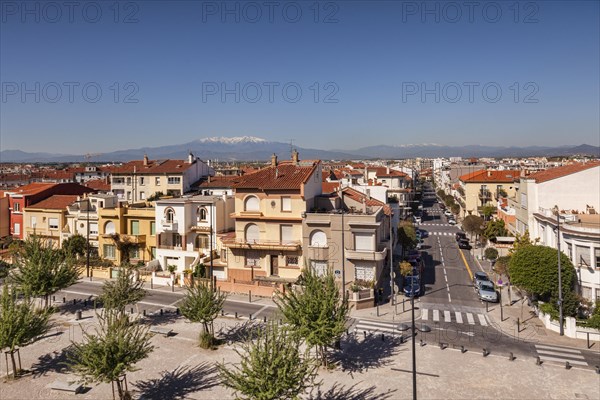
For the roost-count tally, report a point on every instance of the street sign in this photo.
(499, 281)
(338, 273)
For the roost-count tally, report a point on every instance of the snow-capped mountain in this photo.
(232, 140)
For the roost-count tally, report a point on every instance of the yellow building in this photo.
(134, 223)
(47, 218)
(482, 187)
(269, 208)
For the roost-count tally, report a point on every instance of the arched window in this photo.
(109, 228)
(251, 204)
(202, 213)
(318, 239)
(252, 233)
(169, 215)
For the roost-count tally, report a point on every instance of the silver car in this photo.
(487, 292)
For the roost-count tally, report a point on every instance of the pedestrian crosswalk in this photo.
(454, 316)
(560, 354)
(364, 325)
(442, 233)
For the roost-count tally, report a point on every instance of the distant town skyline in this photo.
(328, 75)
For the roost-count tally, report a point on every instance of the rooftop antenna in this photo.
(291, 147)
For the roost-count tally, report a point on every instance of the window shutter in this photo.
(363, 241)
(287, 233)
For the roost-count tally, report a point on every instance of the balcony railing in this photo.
(288, 245)
(369, 255)
(137, 239)
(485, 195)
(169, 225)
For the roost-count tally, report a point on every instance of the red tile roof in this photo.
(559, 172)
(221, 181)
(32, 188)
(56, 202)
(285, 175)
(329, 187)
(153, 167)
(98, 184)
(491, 176)
(370, 202)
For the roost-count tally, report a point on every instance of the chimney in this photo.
(274, 160)
(387, 170)
(190, 158)
(295, 157)
(364, 205)
(145, 160)
(489, 173)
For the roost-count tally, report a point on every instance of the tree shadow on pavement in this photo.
(239, 332)
(52, 362)
(360, 355)
(338, 392)
(180, 382)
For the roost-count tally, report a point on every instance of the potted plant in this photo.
(187, 277)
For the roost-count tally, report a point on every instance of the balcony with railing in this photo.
(367, 255)
(260, 244)
(137, 239)
(169, 225)
(485, 195)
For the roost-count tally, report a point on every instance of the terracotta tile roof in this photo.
(33, 188)
(221, 182)
(283, 176)
(56, 202)
(329, 187)
(359, 196)
(58, 174)
(559, 172)
(153, 167)
(98, 184)
(492, 176)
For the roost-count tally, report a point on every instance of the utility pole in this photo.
(560, 296)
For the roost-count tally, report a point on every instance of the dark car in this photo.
(412, 286)
(464, 244)
(460, 236)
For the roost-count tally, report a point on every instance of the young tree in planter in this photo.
(272, 366)
(495, 228)
(407, 236)
(491, 253)
(406, 269)
(201, 304)
(317, 312)
(75, 246)
(125, 246)
(472, 224)
(20, 323)
(40, 270)
(117, 345)
(116, 294)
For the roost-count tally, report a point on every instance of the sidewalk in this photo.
(531, 328)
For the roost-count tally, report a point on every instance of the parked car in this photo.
(448, 213)
(460, 236)
(479, 277)
(451, 221)
(487, 292)
(417, 219)
(422, 233)
(412, 286)
(464, 244)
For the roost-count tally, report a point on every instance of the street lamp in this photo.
(413, 328)
(560, 298)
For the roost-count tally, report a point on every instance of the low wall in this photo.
(103, 273)
(570, 328)
(257, 289)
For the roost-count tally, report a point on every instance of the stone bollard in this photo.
(161, 312)
(78, 315)
(265, 319)
(382, 337)
(511, 357)
(422, 343)
(443, 346)
(177, 311)
(462, 349)
(485, 352)
(236, 315)
(568, 365)
(144, 312)
(64, 299)
(598, 369)
(538, 361)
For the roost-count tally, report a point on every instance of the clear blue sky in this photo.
(372, 57)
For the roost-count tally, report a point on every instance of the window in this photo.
(134, 253)
(153, 252)
(33, 221)
(202, 242)
(17, 229)
(364, 272)
(252, 233)
(174, 180)
(224, 255)
(141, 180)
(135, 227)
(570, 251)
(291, 261)
(128, 181)
(142, 195)
(16, 207)
(286, 204)
(152, 228)
(109, 228)
(597, 256)
(363, 241)
(583, 256)
(169, 215)
(202, 213)
(318, 239)
(157, 181)
(287, 234)
(586, 292)
(128, 195)
(251, 204)
(109, 251)
(319, 267)
(252, 259)
(118, 181)
(524, 201)
(52, 223)
(93, 228)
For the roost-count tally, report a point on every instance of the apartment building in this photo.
(47, 218)
(481, 188)
(269, 209)
(138, 180)
(187, 229)
(348, 233)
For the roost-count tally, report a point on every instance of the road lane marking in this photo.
(436, 315)
(458, 317)
(449, 299)
(425, 314)
(557, 353)
(466, 263)
(445, 277)
(447, 317)
(482, 320)
(564, 349)
(470, 319)
(261, 310)
(562, 360)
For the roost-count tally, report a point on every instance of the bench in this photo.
(73, 387)
(161, 331)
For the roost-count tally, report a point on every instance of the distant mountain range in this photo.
(248, 148)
